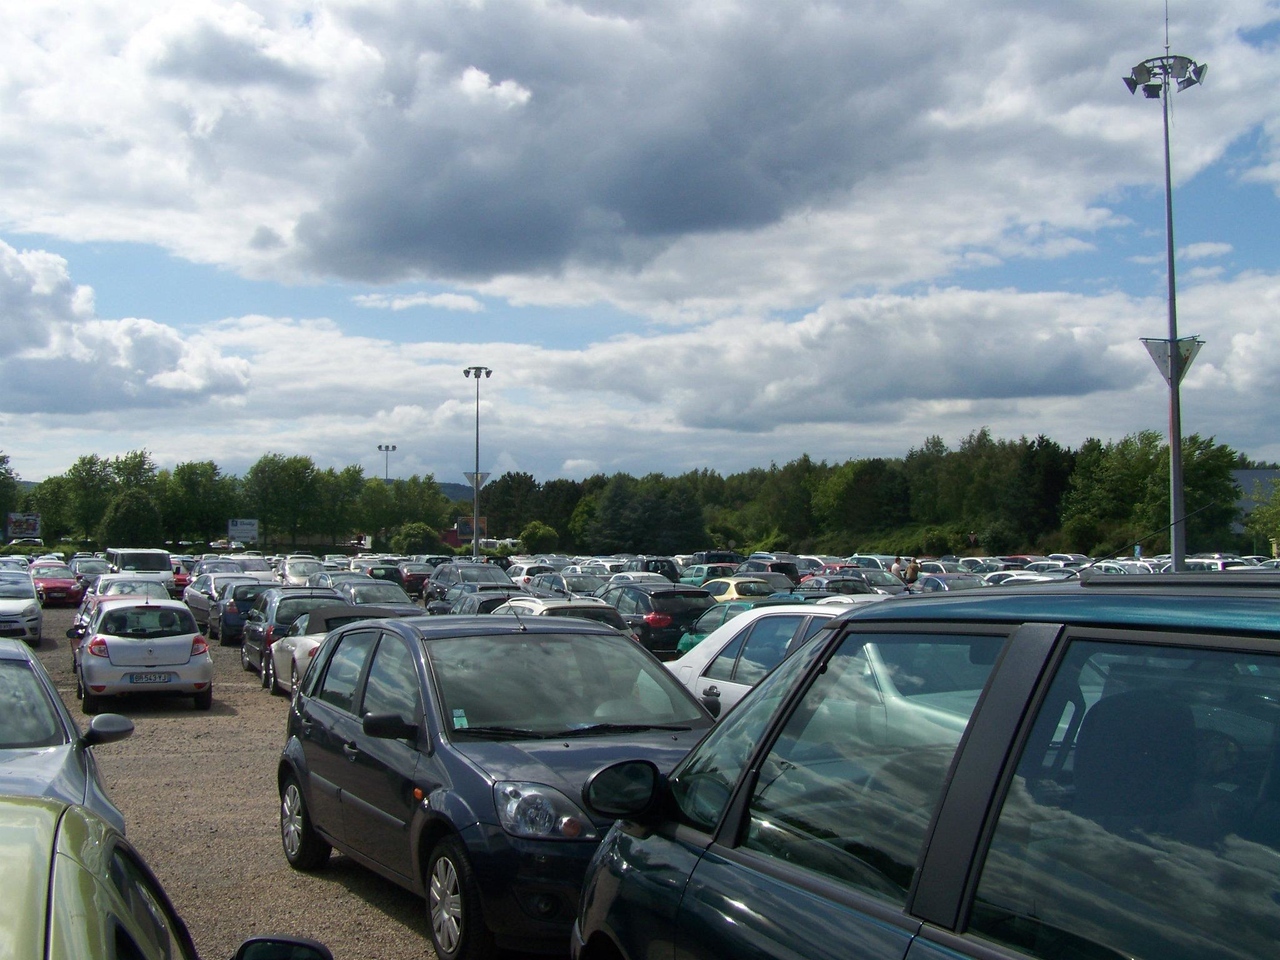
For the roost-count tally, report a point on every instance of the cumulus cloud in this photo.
(407, 301)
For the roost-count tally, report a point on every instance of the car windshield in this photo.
(378, 592)
(151, 562)
(552, 685)
(144, 588)
(147, 622)
(221, 566)
(675, 602)
(52, 571)
(292, 608)
(483, 573)
(303, 568)
(14, 588)
(244, 591)
(27, 718)
(91, 566)
(583, 583)
(254, 564)
(754, 588)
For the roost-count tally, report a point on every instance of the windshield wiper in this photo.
(592, 729)
(515, 733)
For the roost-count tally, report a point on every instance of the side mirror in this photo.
(106, 728)
(623, 790)
(276, 947)
(389, 726)
(76, 633)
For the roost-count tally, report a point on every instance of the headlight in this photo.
(33, 610)
(538, 812)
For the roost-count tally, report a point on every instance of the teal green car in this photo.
(76, 890)
(718, 615)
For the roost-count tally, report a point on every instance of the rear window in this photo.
(247, 591)
(290, 610)
(148, 622)
(482, 573)
(603, 614)
(681, 602)
(150, 562)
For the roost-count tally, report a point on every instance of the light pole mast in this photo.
(386, 449)
(476, 478)
(1172, 356)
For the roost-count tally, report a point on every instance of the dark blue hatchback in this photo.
(1084, 771)
(449, 755)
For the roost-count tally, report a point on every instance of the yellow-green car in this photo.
(76, 890)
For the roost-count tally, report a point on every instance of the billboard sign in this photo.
(23, 525)
(245, 531)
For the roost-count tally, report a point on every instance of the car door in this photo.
(198, 595)
(329, 727)
(378, 801)
(754, 651)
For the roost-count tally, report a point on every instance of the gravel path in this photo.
(199, 797)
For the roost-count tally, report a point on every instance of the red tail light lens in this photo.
(98, 647)
(199, 646)
(658, 621)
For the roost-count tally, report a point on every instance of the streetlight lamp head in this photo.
(487, 373)
(1152, 91)
(1196, 75)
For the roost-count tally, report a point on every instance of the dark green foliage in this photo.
(132, 519)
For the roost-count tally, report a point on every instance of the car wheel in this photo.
(90, 703)
(453, 905)
(204, 699)
(245, 665)
(269, 671)
(294, 680)
(303, 847)
(265, 668)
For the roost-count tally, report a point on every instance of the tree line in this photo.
(985, 496)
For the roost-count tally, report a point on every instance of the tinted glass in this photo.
(147, 622)
(765, 646)
(246, 592)
(377, 592)
(16, 588)
(850, 787)
(151, 562)
(392, 686)
(1144, 816)
(677, 603)
(338, 685)
(293, 607)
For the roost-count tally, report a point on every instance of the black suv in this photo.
(658, 613)
(272, 614)
(447, 574)
(663, 565)
(1075, 771)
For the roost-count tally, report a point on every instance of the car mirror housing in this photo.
(625, 790)
(107, 728)
(276, 947)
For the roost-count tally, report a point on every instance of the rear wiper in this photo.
(593, 728)
(515, 733)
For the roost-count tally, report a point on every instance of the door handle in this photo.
(711, 691)
(351, 750)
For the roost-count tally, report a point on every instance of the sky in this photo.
(683, 236)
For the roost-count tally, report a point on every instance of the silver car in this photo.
(134, 645)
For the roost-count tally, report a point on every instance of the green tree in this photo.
(338, 502)
(537, 537)
(134, 471)
(132, 519)
(509, 502)
(280, 492)
(93, 486)
(416, 538)
(53, 499)
(9, 495)
(196, 501)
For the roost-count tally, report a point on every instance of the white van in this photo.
(143, 562)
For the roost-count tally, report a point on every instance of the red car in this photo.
(181, 578)
(57, 585)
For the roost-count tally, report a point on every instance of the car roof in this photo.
(487, 625)
(1245, 602)
(11, 649)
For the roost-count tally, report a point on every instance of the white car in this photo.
(585, 608)
(290, 656)
(141, 645)
(21, 615)
(733, 658)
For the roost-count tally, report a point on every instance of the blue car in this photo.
(448, 754)
(42, 752)
(1068, 771)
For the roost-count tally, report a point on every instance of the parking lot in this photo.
(199, 795)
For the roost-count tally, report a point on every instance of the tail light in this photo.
(268, 635)
(98, 647)
(199, 646)
(312, 652)
(658, 621)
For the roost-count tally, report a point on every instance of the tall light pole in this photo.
(1172, 356)
(476, 478)
(386, 449)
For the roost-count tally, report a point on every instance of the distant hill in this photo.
(456, 491)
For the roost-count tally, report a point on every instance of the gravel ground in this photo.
(199, 797)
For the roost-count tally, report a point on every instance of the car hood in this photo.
(15, 606)
(567, 763)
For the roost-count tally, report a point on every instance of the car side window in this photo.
(703, 782)
(765, 646)
(392, 686)
(338, 684)
(1143, 818)
(850, 786)
(626, 603)
(148, 916)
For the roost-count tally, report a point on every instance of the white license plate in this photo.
(148, 678)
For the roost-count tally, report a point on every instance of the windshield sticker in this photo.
(460, 720)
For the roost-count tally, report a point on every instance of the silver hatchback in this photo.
(134, 645)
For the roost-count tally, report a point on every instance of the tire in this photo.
(269, 676)
(303, 847)
(457, 924)
(204, 699)
(245, 665)
(91, 704)
(265, 670)
(295, 681)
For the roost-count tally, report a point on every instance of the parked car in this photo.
(755, 565)
(42, 752)
(88, 569)
(291, 655)
(331, 578)
(230, 608)
(565, 585)
(699, 573)
(663, 565)
(741, 588)
(1083, 769)
(272, 613)
(942, 582)
(380, 593)
(76, 888)
(413, 577)
(473, 737)
(723, 668)
(293, 571)
(447, 574)
(584, 608)
(141, 646)
(473, 601)
(21, 615)
(712, 619)
(56, 585)
(116, 585)
(202, 592)
(657, 613)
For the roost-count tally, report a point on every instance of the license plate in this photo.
(148, 678)
(56, 593)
